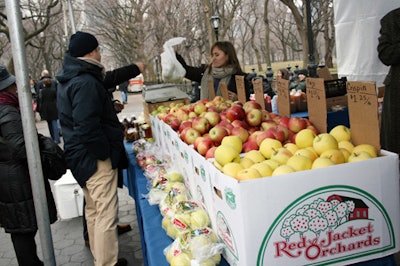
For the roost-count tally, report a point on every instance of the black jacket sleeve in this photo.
(119, 75)
(192, 73)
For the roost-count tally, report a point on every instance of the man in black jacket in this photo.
(93, 141)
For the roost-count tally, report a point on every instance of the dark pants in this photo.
(25, 249)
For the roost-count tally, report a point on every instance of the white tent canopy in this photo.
(357, 25)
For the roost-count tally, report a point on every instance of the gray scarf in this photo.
(223, 74)
(96, 63)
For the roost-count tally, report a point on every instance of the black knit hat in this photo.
(6, 79)
(82, 43)
(303, 71)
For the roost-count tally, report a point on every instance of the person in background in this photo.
(283, 73)
(93, 141)
(17, 210)
(48, 108)
(300, 83)
(123, 87)
(44, 75)
(223, 67)
(389, 54)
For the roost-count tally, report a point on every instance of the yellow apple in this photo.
(226, 154)
(366, 147)
(281, 155)
(182, 259)
(304, 138)
(359, 156)
(263, 168)
(217, 165)
(282, 170)
(321, 163)
(341, 132)
(246, 162)
(268, 146)
(232, 169)
(334, 155)
(299, 163)
(345, 144)
(323, 142)
(272, 163)
(255, 156)
(346, 153)
(307, 153)
(291, 147)
(233, 141)
(249, 173)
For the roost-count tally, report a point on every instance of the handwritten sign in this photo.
(282, 89)
(363, 112)
(316, 103)
(224, 90)
(259, 92)
(240, 88)
(211, 90)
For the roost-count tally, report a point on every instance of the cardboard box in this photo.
(149, 107)
(68, 196)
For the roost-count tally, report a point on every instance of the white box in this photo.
(68, 196)
(273, 220)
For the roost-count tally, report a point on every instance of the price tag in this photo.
(316, 103)
(211, 90)
(363, 112)
(224, 90)
(240, 88)
(259, 92)
(282, 89)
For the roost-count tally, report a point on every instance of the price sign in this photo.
(211, 90)
(316, 103)
(363, 112)
(240, 88)
(224, 90)
(282, 89)
(259, 92)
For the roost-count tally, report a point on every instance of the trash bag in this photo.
(171, 68)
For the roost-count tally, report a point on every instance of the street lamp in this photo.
(215, 24)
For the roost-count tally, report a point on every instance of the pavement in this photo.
(69, 246)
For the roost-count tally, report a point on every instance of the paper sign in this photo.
(259, 92)
(316, 103)
(282, 89)
(224, 90)
(211, 90)
(324, 73)
(240, 88)
(363, 113)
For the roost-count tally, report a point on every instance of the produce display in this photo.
(246, 142)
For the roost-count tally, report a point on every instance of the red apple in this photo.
(210, 152)
(190, 135)
(212, 117)
(217, 133)
(249, 145)
(251, 105)
(265, 115)
(265, 134)
(235, 112)
(225, 124)
(266, 124)
(240, 123)
(284, 130)
(278, 134)
(241, 132)
(204, 145)
(201, 124)
(253, 117)
(284, 121)
(172, 121)
(185, 124)
(296, 124)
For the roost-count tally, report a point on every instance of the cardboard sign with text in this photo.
(282, 88)
(259, 92)
(363, 113)
(224, 90)
(240, 88)
(211, 90)
(316, 102)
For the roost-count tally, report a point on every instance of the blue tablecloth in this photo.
(334, 118)
(153, 237)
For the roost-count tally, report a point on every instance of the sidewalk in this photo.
(69, 247)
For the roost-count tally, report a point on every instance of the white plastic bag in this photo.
(171, 68)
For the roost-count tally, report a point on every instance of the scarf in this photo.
(217, 75)
(96, 63)
(9, 98)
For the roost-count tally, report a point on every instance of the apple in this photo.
(251, 105)
(323, 142)
(184, 124)
(233, 141)
(321, 163)
(172, 121)
(201, 124)
(345, 144)
(190, 135)
(247, 174)
(307, 153)
(181, 259)
(296, 124)
(246, 162)
(174, 177)
(217, 134)
(253, 117)
(241, 132)
(346, 153)
(279, 133)
(291, 147)
(255, 156)
(271, 163)
(313, 128)
(204, 145)
(283, 170)
(249, 145)
(235, 112)
(199, 107)
(305, 138)
(231, 169)
(225, 124)
(263, 135)
(263, 168)
(198, 220)
(182, 115)
(359, 156)
(335, 155)
(212, 117)
(226, 154)
(341, 132)
(240, 123)
(268, 146)
(367, 148)
(266, 124)
(299, 163)
(192, 114)
(210, 152)
(281, 155)
(284, 121)
(265, 115)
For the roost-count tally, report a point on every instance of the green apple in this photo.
(299, 163)
(341, 132)
(174, 177)
(367, 148)
(182, 259)
(226, 154)
(199, 219)
(321, 163)
(255, 156)
(323, 142)
(268, 146)
(231, 169)
(283, 170)
(234, 141)
(334, 155)
(304, 138)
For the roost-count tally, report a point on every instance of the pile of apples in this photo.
(244, 141)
